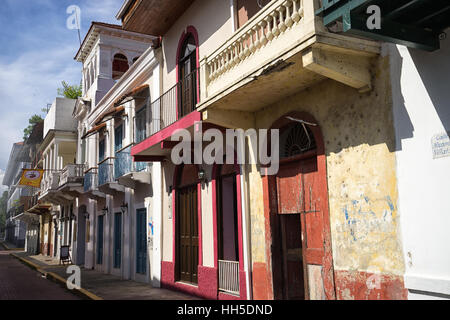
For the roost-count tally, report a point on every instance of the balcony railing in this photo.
(124, 164)
(272, 21)
(51, 180)
(106, 172)
(275, 29)
(177, 102)
(72, 173)
(91, 180)
(229, 276)
(34, 199)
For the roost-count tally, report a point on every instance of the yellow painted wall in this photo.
(359, 142)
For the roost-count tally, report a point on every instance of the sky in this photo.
(36, 55)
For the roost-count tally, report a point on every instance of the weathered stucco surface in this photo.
(359, 143)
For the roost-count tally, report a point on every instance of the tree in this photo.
(70, 92)
(3, 207)
(32, 122)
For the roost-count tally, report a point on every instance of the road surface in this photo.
(19, 282)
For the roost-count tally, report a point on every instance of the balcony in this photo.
(106, 180)
(127, 172)
(175, 109)
(281, 50)
(90, 184)
(49, 188)
(72, 179)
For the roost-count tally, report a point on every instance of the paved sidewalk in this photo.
(10, 247)
(99, 286)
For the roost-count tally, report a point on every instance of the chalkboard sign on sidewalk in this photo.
(65, 255)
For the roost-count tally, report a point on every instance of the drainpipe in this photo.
(245, 234)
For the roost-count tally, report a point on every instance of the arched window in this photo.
(295, 139)
(187, 75)
(120, 66)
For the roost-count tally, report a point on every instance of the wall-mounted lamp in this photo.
(124, 207)
(202, 175)
(86, 216)
(105, 210)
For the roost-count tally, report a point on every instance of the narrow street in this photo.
(19, 282)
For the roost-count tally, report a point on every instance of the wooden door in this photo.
(49, 238)
(187, 234)
(117, 240)
(100, 240)
(187, 89)
(300, 226)
(141, 241)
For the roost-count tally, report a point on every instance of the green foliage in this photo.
(70, 92)
(32, 122)
(3, 206)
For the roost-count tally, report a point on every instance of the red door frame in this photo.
(266, 291)
(176, 180)
(242, 273)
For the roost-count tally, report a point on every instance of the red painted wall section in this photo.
(207, 281)
(354, 285)
(262, 287)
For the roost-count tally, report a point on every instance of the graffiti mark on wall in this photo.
(150, 225)
(366, 216)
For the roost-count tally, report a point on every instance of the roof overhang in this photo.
(99, 27)
(153, 17)
(413, 23)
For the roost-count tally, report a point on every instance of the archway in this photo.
(301, 254)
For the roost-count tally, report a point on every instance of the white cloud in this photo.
(43, 57)
(2, 187)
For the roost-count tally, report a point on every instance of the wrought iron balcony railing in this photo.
(91, 180)
(174, 104)
(106, 172)
(124, 164)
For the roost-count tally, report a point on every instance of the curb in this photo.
(55, 277)
(10, 249)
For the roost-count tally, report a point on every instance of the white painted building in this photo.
(15, 231)
(121, 77)
(58, 154)
(421, 95)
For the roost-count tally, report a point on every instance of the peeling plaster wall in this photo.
(360, 149)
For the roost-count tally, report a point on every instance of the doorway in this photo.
(229, 264)
(187, 231)
(301, 251)
(100, 240)
(81, 237)
(187, 74)
(118, 240)
(141, 241)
